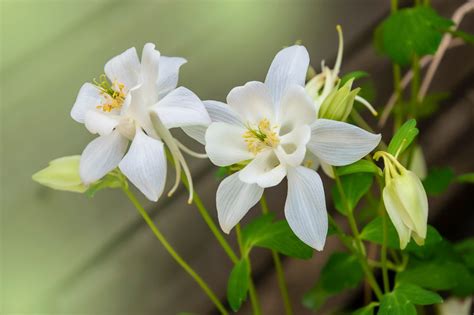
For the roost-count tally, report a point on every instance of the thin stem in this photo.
(398, 95)
(415, 85)
(173, 253)
(360, 248)
(252, 291)
(214, 229)
(224, 244)
(393, 5)
(279, 269)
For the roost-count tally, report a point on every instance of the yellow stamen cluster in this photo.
(113, 94)
(262, 137)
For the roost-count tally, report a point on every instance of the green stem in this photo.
(214, 229)
(220, 238)
(360, 248)
(393, 5)
(383, 254)
(252, 291)
(415, 85)
(173, 253)
(398, 92)
(224, 244)
(279, 269)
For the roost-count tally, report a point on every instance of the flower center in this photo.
(113, 94)
(264, 136)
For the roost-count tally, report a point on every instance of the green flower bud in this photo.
(62, 174)
(338, 104)
(405, 199)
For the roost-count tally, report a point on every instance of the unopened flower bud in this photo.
(338, 105)
(405, 200)
(62, 174)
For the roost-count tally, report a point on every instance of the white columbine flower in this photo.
(271, 125)
(138, 102)
(405, 199)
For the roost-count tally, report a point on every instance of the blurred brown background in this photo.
(62, 253)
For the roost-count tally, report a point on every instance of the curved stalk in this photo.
(212, 296)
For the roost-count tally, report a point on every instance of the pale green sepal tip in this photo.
(62, 174)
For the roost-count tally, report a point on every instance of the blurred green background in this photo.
(49, 48)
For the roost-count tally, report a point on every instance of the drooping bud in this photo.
(405, 199)
(338, 105)
(62, 174)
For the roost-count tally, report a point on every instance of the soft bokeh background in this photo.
(63, 253)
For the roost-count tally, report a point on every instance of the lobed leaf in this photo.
(409, 32)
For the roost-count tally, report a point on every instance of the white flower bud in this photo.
(405, 199)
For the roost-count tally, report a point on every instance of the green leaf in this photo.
(353, 75)
(342, 271)
(438, 180)
(238, 284)
(409, 32)
(403, 137)
(281, 238)
(366, 310)
(418, 295)
(262, 232)
(373, 232)
(361, 166)
(354, 186)
(252, 231)
(466, 178)
(435, 275)
(396, 304)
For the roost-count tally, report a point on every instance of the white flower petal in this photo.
(338, 143)
(393, 205)
(222, 112)
(101, 155)
(252, 102)
(265, 170)
(198, 133)
(288, 68)
(145, 165)
(124, 68)
(218, 112)
(99, 122)
(296, 109)
(412, 196)
(305, 206)
(168, 74)
(180, 108)
(88, 98)
(149, 72)
(292, 148)
(234, 199)
(225, 144)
